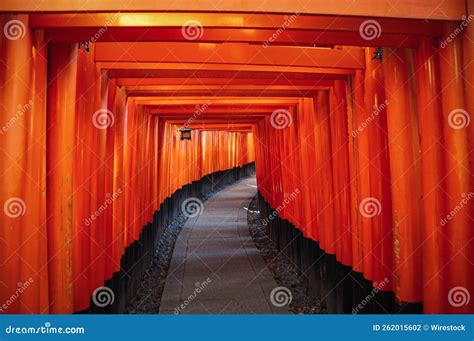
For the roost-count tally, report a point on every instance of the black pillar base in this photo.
(338, 289)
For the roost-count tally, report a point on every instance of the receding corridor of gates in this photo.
(215, 252)
(182, 157)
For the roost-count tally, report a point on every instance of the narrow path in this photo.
(216, 267)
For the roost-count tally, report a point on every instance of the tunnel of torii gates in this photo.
(380, 152)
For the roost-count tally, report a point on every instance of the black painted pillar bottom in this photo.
(338, 289)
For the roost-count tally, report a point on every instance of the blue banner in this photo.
(238, 327)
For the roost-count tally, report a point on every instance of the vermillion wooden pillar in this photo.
(458, 230)
(109, 92)
(324, 172)
(291, 167)
(14, 53)
(23, 253)
(359, 170)
(60, 166)
(340, 162)
(83, 248)
(404, 148)
(308, 169)
(90, 229)
(468, 75)
(118, 103)
(432, 174)
(380, 231)
(36, 243)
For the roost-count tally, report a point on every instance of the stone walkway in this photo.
(216, 267)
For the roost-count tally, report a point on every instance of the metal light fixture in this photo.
(185, 133)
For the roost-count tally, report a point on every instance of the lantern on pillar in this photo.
(185, 133)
